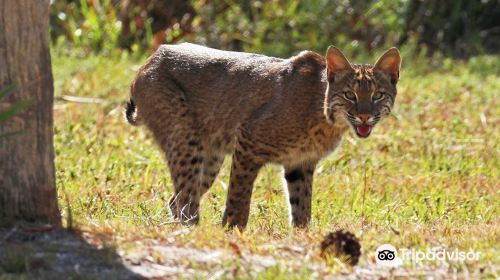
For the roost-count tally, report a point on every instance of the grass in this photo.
(428, 176)
(48, 255)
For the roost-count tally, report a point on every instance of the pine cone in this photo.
(342, 244)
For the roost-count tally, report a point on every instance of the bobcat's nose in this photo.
(364, 117)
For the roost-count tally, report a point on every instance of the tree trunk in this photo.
(27, 177)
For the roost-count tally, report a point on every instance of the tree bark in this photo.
(27, 173)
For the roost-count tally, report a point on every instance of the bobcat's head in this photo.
(362, 94)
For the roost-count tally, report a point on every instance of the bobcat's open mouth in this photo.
(363, 130)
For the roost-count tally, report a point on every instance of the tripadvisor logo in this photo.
(388, 255)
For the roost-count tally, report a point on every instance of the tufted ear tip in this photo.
(336, 61)
(393, 50)
(390, 62)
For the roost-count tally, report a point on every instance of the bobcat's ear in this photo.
(390, 62)
(336, 61)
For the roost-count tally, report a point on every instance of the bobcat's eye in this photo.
(350, 95)
(378, 96)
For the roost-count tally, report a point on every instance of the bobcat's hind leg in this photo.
(193, 173)
(168, 117)
(185, 164)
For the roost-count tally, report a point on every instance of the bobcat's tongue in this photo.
(364, 130)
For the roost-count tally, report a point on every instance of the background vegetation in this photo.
(279, 27)
(428, 177)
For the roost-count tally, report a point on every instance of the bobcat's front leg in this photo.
(243, 172)
(299, 182)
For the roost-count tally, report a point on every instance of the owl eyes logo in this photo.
(386, 255)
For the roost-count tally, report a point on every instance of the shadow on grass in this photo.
(58, 254)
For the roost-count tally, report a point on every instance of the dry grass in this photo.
(427, 177)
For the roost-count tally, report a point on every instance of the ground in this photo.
(427, 178)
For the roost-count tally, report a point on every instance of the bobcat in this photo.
(202, 104)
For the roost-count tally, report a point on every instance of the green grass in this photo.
(427, 177)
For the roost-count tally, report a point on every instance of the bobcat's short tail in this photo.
(131, 113)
